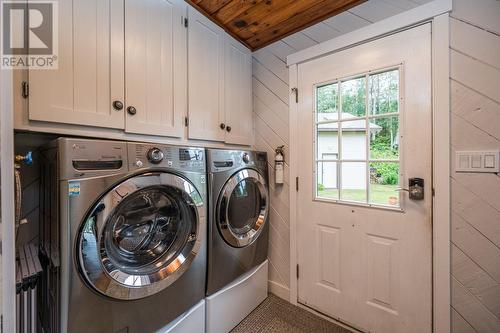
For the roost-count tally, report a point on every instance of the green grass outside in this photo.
(379, 194)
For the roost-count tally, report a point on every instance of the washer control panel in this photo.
(151, 155)
(155, 155)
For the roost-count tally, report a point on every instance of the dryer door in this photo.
(242, 208)
(141, 236)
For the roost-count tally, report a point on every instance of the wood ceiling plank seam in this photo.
(234, 9)
(288, 27)
(201, 10)
(258, 23)
(276, 15)
(215, 6)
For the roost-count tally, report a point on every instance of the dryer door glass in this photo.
(141, 236)
(242, 209)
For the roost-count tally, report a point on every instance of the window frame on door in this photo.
(400, 114)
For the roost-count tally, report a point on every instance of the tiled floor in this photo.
(275, 315)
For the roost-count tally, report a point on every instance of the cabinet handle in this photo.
(228, 128)
(118, 105)
(222, 126)
(131, 110)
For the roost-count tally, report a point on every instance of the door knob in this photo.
(222, 126)
(131, 110)
(228, 128)
(118, 105)
(415, 189)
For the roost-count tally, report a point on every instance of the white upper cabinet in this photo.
(205, 77)
(220, 84)
(133, 65)
(238, 93)
(155, 67)
(90, 75)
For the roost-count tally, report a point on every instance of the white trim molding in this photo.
(436, 12)
(441, 205)
(8, 280)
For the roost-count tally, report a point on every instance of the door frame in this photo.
(436, 13)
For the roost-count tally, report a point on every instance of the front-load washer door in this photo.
(242, 208)
(141, 236)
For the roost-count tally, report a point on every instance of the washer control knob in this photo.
(246, 158)
(155, 155)
(139, 164)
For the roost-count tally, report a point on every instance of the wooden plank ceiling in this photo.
(257, 23)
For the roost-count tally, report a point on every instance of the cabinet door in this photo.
(238, 93)
(90, 74)
(205, 78)
(155, 66)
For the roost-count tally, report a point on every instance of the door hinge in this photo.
(296, 92)
(186, 121)
(185, 22)
(433, 192)
(297, 271)
(297, 184)
(25, 89)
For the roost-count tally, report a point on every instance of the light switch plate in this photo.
(477, 161)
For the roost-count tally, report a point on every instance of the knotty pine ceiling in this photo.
(257, 23)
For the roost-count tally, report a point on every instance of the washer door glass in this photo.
(242, 209)
(141, 236)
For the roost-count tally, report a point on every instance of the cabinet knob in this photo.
(228, 128)
(131, 110)
(118, 105)
(222, 126)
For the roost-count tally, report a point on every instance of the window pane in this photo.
(353, 185)
(327, 102)
(384, 138)
(384, 180)
(384, 92)
(354, 139)
(327, 180)
(353, 98)
(327, 142)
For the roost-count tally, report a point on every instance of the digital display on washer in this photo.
(190, 155)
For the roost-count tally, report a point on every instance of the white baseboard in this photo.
(279, 290)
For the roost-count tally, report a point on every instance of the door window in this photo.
(358, 139)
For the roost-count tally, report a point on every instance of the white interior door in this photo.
(90, 74)
(364, 248)
(155, 66)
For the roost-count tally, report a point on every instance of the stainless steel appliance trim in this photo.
(113, 282)
(235, 239)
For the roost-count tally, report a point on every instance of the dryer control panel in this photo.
(223, 160)
(142, 155)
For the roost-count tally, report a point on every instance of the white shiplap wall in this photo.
(475, 124)
(475, 113)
